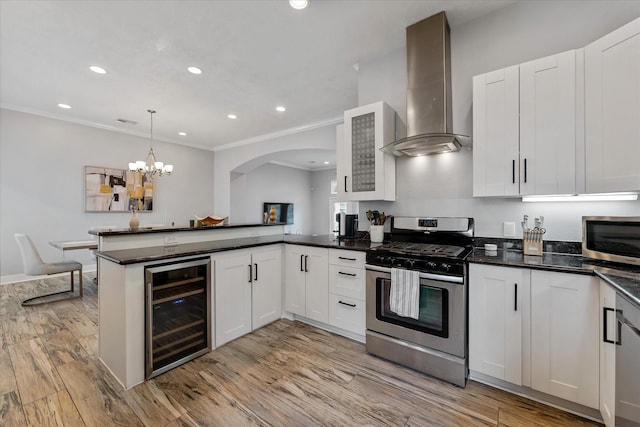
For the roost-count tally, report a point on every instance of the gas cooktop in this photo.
(423, 249)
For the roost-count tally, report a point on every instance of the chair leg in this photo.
(35, 300)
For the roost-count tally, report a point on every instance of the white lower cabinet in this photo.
(497, 297)
(543, 336)
(347, 290)
(306, 282)
(608, 338)
(564, 336)
(248, 291)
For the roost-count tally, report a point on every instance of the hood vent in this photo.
(428, 92)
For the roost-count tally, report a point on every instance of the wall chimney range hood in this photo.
(429, 125)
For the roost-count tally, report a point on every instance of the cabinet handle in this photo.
(347, 274)
(345, 183)
(250, 274)
(306, 263)
(301, 256)
(256, 276)
(604, 327)
(515, 297)
(525, 170)
(345, 258)
(346, 303)
(513, 171)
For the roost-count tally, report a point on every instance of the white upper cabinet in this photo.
(612, 111)
(524, 128)
(496, 133)
(364, 172)
(548, 125)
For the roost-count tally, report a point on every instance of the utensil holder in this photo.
(376, 233)
(532, 243)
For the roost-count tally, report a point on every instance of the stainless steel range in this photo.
(417, 296)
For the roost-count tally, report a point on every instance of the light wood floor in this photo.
(287, 373)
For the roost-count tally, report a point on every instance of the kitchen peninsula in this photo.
(123, 255)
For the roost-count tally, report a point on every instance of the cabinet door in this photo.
(347, 313)
(294, 280)
(266, 292)
(317, 284)
(564, 336)
(343, 165)
(496, 133)
(608, 337)
(497, 300)
(612, 108)
(232, 296)
(548, 125)
(369, 174)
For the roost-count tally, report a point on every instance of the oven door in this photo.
(441, 323)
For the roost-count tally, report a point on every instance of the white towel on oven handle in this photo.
(405, 292)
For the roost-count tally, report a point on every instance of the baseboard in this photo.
(338, 331)
(556, 402)
(16, 278)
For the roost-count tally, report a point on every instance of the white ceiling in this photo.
(254, 54)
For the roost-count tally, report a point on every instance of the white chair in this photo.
(35, 266)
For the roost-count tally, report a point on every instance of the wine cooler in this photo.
(178, 314)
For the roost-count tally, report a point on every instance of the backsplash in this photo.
(554, 246)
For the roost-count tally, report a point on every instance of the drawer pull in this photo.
(345, 258)
(346, 303)
(347, 274)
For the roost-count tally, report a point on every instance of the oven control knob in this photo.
(445, 267)
(409, 263)
(380, 258)
(431, 265)
(392, 260)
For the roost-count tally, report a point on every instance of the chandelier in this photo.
(151, 168)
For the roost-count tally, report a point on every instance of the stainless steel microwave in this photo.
(611, 238)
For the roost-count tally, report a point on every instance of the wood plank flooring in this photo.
(285, 374)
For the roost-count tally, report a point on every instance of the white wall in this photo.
(320, 201)
(272, 183)
(229, 159)
(442, 185)
(42, 183)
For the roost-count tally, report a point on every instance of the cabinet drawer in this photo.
(347, 258)
(347, 313)
(347, 281)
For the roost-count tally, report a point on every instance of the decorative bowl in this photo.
(210, 220)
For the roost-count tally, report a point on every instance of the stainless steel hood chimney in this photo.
(428, 92)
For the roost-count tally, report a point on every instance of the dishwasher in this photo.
(627, 412)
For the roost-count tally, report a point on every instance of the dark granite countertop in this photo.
(120, 231)
(330, 241)
(155, 253)
(624, 278)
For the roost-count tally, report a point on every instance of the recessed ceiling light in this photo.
(182, 133)
(65, 106)
(126, 122)
(298, 4)
(194, 70)
(97, 69)
(232, 116)
(281, 108)
(326, 163)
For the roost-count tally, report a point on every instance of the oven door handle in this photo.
(429, 276)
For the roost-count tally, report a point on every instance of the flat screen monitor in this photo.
(284, 212)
